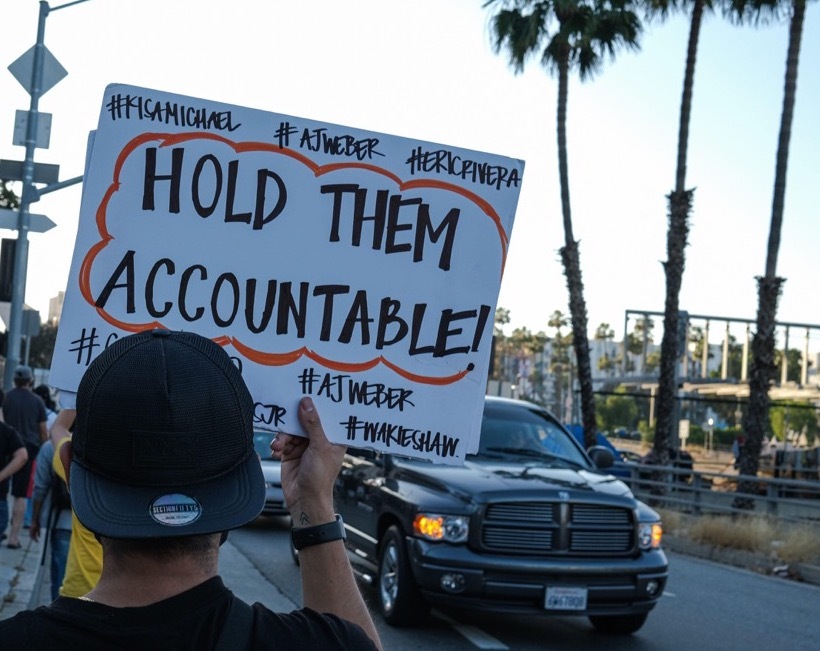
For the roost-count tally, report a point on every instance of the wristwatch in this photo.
(322, 533)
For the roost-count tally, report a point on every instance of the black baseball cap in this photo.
(22, 372)
(163, 440)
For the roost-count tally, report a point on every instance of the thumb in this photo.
(309, 418)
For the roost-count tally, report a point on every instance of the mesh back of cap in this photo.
(163, 409)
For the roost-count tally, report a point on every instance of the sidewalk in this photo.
(20, 575)
(24, 583)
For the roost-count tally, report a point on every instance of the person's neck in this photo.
(141, 582)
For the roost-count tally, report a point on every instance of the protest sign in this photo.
(359, 268)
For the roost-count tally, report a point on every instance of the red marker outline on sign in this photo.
(257, 356)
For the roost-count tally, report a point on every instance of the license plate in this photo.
(559, 598)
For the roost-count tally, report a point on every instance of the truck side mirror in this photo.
(602, 457)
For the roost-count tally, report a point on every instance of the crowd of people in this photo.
(137, 481)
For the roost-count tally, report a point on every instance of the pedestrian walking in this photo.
(24, 411)
(13, 456)
(84, 563)
(44, 392)
(51, 513)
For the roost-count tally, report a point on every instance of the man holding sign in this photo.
(160, 466)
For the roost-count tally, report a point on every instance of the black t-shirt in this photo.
(10, 442)
(24, 410)
(191, 620)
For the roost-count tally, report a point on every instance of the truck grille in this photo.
(529, 528)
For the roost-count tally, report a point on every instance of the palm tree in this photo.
(606, 334)
(568, 34)
(560, 362)
(763, 370)
(680, 207)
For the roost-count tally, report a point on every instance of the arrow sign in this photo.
(37, 223)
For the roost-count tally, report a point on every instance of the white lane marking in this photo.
(474, 635)
(666, 593)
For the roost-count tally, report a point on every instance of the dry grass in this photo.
(801, 544)
(791, 543)
(753, 534)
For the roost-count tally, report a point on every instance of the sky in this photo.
(427, 70)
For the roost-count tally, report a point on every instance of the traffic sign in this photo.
(23, 69)
(43, 136)
(37, 223)
(12, 170)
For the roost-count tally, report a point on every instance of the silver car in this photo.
(272, 471)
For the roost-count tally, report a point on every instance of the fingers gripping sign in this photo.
(309, 468)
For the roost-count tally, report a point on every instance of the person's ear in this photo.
(66, 454)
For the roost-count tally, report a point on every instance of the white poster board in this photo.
(359, 268)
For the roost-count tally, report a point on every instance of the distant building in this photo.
(55, 308)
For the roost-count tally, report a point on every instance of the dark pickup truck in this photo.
(530, 525)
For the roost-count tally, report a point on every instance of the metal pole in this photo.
(60, 185)
(29, 196)
(21, 250)
(804, 361)
(784, 367)
(704, 356)
(724, 360)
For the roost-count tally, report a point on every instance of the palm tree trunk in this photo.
(789, 94)
(572, 268)
(763, 371)
(762, 375)
(680, 207)
(686, 98)
(561, 126)
(578, 312)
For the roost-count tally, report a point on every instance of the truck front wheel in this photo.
(399, 597)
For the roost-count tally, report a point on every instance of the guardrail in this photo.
(702, 492)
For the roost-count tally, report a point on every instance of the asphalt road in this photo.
(706, 606)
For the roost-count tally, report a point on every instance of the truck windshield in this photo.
(528, 434)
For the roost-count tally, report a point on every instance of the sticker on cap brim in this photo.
(175, 510)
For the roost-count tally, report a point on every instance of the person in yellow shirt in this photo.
(84, 562)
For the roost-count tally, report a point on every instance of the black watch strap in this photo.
(321, 533)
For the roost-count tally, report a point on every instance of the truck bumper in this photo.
(454, 575)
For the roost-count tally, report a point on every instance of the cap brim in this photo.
(114, 510)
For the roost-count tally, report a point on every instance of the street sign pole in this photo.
(21, 252)
(30, 193)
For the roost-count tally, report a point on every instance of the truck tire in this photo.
(618, 624)
(400, 600)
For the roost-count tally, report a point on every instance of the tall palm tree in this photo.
(568, 35)
(680, 207)
(763, 370)
(606, 334)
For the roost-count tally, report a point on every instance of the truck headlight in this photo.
(449, 528)
(649, 535)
